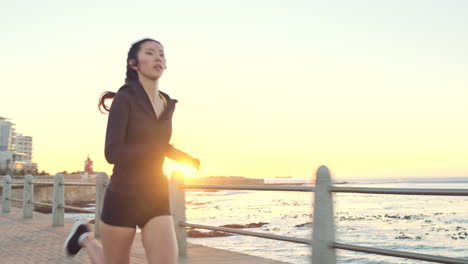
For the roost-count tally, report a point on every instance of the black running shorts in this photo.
(129, 211)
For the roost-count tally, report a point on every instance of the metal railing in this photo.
(58, 201)
(322, 242)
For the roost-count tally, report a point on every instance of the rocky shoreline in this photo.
(192, 232)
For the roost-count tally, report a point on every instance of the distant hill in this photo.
(409, 179)
(224, 180)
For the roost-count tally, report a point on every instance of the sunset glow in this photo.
(367, 88)
(170, 167)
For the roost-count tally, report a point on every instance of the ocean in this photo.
(423, 224)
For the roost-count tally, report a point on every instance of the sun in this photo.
(171, 166)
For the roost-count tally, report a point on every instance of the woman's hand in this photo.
(195, 163)
(180, 156)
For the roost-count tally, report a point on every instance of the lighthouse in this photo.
(88, 166)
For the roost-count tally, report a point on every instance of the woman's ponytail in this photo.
(104, 96)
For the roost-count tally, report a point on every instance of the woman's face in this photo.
(151, 60)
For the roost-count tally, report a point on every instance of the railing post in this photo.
(6, 202)
(323, 227)
(58, 203)
(28, 194)
(101, 183)
(177, 199)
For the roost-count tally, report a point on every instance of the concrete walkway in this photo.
(36, 241)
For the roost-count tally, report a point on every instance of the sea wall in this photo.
(44, 194)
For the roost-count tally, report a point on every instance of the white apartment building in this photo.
(6, 135)
(16, 150)
(23, 145)
(15, 161)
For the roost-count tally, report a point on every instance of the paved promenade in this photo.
(32, 241)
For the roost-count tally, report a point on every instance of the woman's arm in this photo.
(180, 156)
(116, 150)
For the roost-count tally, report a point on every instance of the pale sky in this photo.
(265, 88)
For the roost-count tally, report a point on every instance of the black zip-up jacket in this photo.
(137, 141)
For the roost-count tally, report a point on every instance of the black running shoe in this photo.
(71, 244)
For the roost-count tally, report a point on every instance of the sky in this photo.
(265, 88)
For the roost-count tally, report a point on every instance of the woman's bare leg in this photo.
(94, 249)
(159, 240)
(117, 243)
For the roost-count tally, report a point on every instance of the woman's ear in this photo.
(132, 63)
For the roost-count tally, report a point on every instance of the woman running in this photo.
(137, 141)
